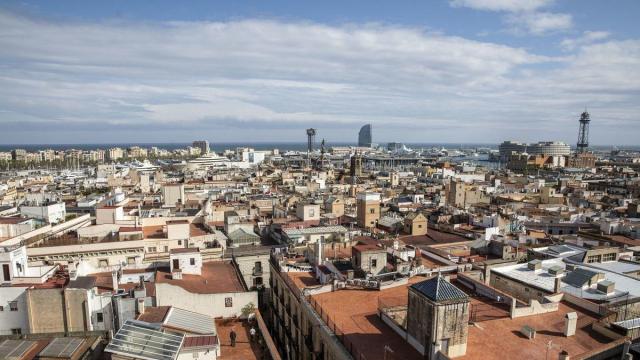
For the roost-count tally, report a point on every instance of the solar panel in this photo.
(142, 340)
(62, 347)
(15, 349)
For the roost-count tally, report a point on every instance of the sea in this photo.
(282, 146)
(219, 147)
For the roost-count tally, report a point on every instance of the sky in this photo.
(450, 71)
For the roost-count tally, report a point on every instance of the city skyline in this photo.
(461, 71)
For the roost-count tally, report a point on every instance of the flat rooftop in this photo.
(154, 232)
(492, 339)
(356, 314)
(301, 279)
(198, 230)
(433, 237)
(217, 277)
(244, 348)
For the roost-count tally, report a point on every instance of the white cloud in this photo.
(588, 37)
(523, 15)
(539, 23)
(502, 5)
(268, 80)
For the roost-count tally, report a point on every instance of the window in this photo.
(372, 211)
(13, 305)
(593, 259)
(16, 331)
(103, 262)
(374, 263)
(609, 257)
(166, 248)
(131, 260)
(152, 249)
(5, 272)
(179, 242)
(1, 308)
(312, 212)
(228, 302)
(192, 261)
(99, 317)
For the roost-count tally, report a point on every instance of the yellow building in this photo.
(368, 209)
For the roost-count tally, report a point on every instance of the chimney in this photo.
(176, 274)
(350, 274)
(564, 355)
(140, 306)
(535, 265)
(557, 284)
(114, 280)
(570, 323)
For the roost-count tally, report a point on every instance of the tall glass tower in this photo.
(364, 136)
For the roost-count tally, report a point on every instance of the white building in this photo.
(217, 292)
(49, 213)
(186, 261)
(16, 277)
(109, 214)
(173, 194)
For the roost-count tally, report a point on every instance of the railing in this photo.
(264, 330)
(342, 337)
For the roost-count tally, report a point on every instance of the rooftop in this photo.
(439, 289)
(244, 349)
(495, 338)
(154, 314)
(189, 321)
(154, 232)
(356, 314)
(433, 237)
(141, 340)
(543, 280)
(217, 277)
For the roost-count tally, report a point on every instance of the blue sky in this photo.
(419, 71)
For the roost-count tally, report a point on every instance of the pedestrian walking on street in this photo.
(252, 332)
(232, 336)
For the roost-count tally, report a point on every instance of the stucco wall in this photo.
(208, 304)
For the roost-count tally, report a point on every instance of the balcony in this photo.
(257, 271)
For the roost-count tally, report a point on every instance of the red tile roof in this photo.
(200, 341)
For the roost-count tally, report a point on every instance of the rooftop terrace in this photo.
(217, 277)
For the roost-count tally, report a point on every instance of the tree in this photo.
(248, 309)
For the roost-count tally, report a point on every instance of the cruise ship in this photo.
(207, 161)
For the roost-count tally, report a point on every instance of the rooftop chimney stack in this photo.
(140, 306)
(570, 323)
(114, 280)
(176, 274)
